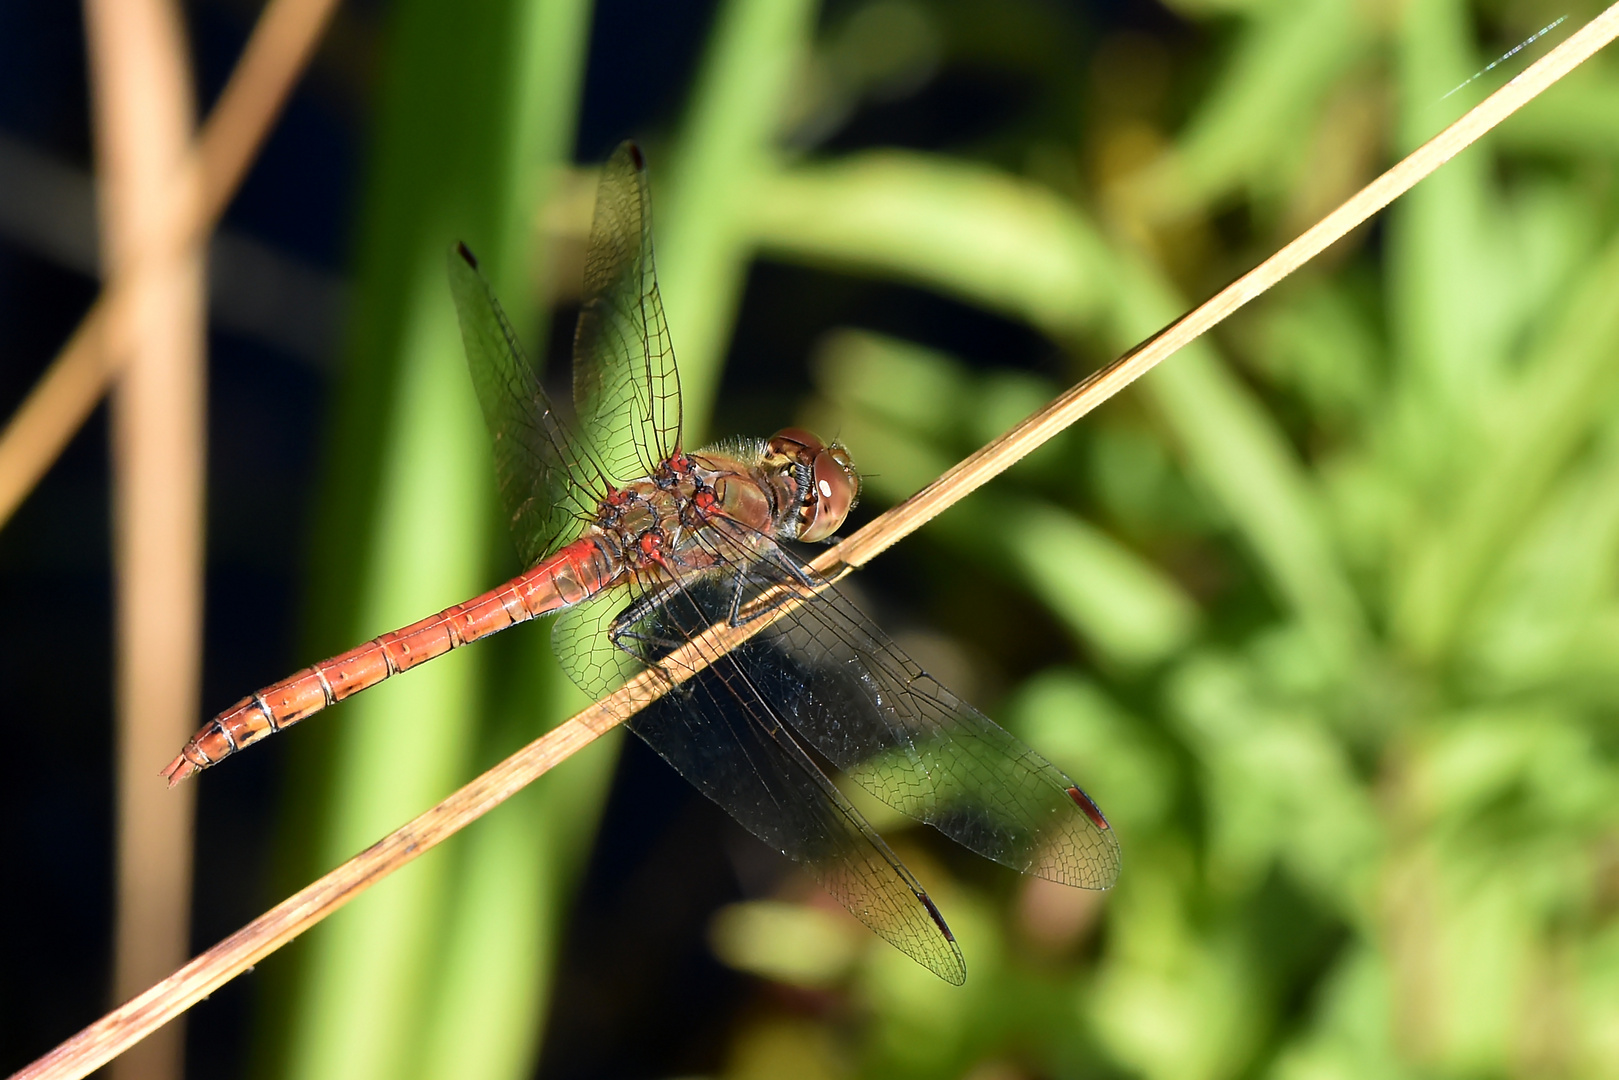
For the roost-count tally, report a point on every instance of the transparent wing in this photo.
(723, 736)
(856, 699)
(549, 482)
(625, 386)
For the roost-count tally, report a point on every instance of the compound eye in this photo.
(836, 489)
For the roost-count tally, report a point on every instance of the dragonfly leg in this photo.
(799, 586)
(647, 648)
(640, 646)
(642, 608)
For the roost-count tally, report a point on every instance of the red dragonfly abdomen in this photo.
(575, 573)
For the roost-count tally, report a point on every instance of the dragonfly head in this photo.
(824, 478)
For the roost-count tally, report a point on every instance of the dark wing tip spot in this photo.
(1083, 801)
(954, 974)
(938, 918)
(636, 157)
(466, 254)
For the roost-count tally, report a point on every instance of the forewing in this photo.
(625, 386)
(853, 696)
(549, 484)
(723, 737)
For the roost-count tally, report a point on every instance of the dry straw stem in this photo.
(126, 1025)
(142, 114)
(275, 55)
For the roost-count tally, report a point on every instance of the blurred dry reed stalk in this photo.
(276, 54)
(143, 112)
(160, 194)
(127, 1025)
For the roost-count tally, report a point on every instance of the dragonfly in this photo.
(641, 547)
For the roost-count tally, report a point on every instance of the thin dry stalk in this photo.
(62, 400)
(143, 113)
(126, 1025)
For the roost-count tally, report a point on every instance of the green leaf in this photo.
(726, 145)
(1288, 59)
(966, 230)
(475, 112)
(1553, 408)
(1106, 594)
(404, 745)
(1281, 789)
(1241, 456)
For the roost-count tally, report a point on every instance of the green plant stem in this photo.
(476, 117)
(726, 143)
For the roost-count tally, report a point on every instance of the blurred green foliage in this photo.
(1334, 592)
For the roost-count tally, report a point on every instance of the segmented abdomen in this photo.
(578, 571)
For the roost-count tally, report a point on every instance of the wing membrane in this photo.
(723, 736)
(541, 470)
(625, 386)
(854, 696)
